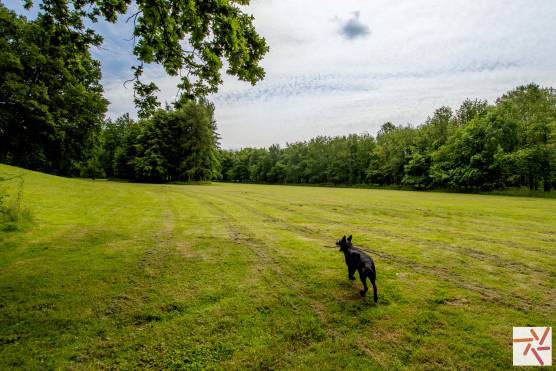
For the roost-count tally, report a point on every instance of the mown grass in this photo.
(228, 276)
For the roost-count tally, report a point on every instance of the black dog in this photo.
(357, 260)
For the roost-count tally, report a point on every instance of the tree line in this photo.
(511, 143)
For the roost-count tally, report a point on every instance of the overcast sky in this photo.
(339, 67)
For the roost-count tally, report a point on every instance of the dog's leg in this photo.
(363, 278)
(351, 272)
(371, 273)
(372, 277)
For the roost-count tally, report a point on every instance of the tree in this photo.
(177, 145)
(226, 160)
(118, 141)
(417, 171)
(275, 168)
(390, 154)
(473, 158)
(339, 162)
(319, 154)
(534, 109)
(51, 104)
(468, 110)
(92, 166)
(189, 38)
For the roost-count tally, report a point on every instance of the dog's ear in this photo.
(344, 239)
(349, 238)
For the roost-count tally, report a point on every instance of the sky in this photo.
(341, 67)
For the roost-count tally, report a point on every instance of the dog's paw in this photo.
(363, 293)
(351, 278)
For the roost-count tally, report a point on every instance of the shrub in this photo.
(13, 215)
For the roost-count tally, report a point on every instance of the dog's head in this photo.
(344, 243)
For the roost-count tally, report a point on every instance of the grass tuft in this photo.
(13, 215)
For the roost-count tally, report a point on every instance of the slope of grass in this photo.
(122, 275)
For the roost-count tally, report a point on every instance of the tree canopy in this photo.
(189, 38)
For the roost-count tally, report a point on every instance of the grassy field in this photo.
(122, 275)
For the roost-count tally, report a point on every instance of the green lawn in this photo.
(226, 276)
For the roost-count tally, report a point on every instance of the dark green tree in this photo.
(429, 137)
(392, 152)
(177, 145)
(534, 110)
(473, 158)
(275, 172)
(118, 141)
(51, 104)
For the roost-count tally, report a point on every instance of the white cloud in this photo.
(419, 56)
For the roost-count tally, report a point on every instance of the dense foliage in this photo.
(51, 104)
(189, 38)
(479, 147)
(172, 145)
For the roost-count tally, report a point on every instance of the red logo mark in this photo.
(535, 350)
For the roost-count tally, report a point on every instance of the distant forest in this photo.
(478, 147)
(52, 119)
